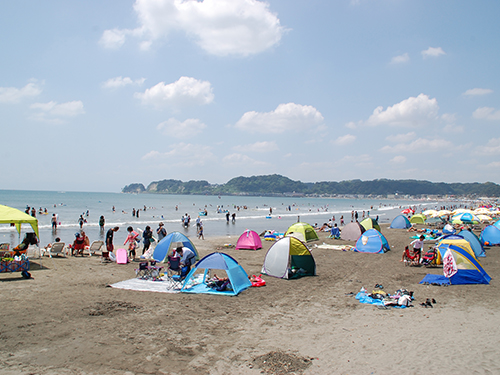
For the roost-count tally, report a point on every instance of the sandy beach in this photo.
(66, 320)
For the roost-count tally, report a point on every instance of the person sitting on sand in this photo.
(78, 245)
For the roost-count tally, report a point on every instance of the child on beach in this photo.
(132, 242)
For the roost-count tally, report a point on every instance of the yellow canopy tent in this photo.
(9, 215)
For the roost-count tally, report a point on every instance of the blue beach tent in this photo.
(161, 250)
(400, 222)
(217, 261)
(497, 224)
(490, 236)
(372, 241)
(474, 242)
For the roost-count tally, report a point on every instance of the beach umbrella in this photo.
(484, 217)
(407, 211)
(432, 213)
(482, 211)
(444, 212)
(461, 211)
(466, 218)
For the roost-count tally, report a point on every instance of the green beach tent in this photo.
(370, 223)
(303, 231)
(418, 219)
(9, 215)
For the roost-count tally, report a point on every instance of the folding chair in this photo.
(409, 258)
(56, 249)
(143, 271)
(95, 247)
(175, 273)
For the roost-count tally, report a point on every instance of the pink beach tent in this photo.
(249, 240)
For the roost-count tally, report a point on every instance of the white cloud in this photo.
(242, 160)
(452, 128)
(286, 117)
(477, 91)
(177, 129)
(344, 140)
(433, 52)
(400, 138)
(411, 112)
(15, 95)
(400, 159)
(260, 147)
(220, 27)
(185, 91)
(182, 155)
(491, 148)
(120, 81)
(361, 160)
(52, 112)
(420, 145)
(486, 113)
(400, 59)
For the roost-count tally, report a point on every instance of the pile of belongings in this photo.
(401, 298)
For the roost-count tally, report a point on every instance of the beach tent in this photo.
(400, 222)
(352, 231)
(162, 249)
(448, 229)
(249, 240)
(217, 261)
(303, 231)
(497, 224)
(453, 239)
(9, 215)
(370, 223)
(418, 219)
(474, 243)
(490, 235)
(462, 268)
(289, 258)
(372, 241)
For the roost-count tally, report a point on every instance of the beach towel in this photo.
(364, 298)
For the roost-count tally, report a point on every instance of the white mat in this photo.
(161, 286)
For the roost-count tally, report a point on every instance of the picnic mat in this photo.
(161, 286)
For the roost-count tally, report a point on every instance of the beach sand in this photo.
(67, 321)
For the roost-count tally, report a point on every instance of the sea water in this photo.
(251, 212)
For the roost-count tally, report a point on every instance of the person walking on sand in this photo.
(147, 236)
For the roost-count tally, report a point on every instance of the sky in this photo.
(95, 95)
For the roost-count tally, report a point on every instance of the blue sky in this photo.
(96, 95)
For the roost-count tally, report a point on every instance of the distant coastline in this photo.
(280, 186)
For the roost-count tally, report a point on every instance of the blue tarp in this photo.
(435, 279)
(363, 298)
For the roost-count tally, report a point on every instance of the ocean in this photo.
(251, 212)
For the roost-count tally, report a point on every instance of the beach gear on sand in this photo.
(352, 231)
(121, 256)
(303, 231)
(400, 222)
(372, 241)
(237, 277)
(164, 247)
(289, 258)
(249, 240)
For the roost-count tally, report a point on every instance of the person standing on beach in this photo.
(227, 216)
(54, 222)
(109, 242)
(132, 242)
(161, 232)
(147, 236)
(233, 217)
(101, 223)
(81, 220)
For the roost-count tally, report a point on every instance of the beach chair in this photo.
(175, 273)
(410, 259)
(429, 259)
(56, 249)
(95, 247)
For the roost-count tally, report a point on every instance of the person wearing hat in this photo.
(161, 232)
